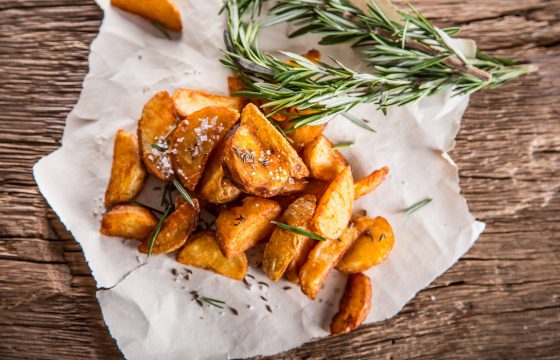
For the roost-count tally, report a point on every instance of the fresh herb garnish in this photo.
(247, 156)
(298, 231)
(161, 29)
(343, 145)
(183, 192)
(158, 148)
(417, 206)
(157, 230)
(210, 301)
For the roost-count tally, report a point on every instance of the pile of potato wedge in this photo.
(266, 189)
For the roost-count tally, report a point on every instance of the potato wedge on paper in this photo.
(240, 228)
(158, 119)
(302, 135)
(372, 247)
(283, 244)
(323, 162)
(195, 138)
(300, 257)
(370, 182)
(202, 251)
(322, 259)
(163, 11)
(128, 221)
(188, 101)
(354, 306)
(175, 230)
(127, 172)
(214, 186)
(334, 209)
(258, 159)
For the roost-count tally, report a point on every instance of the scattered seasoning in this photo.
(239, 220)
(287, 287)
(174, 272)
(382, 237)
(265, 299)
(368, 234)
(298, 231)
(264, 160)
(161, 29)
(263, 283)
(269, 308)
(247, 156)
(251, 276)
(417, 206)
(246, 282)
(343, 145)
(199, 303)
(259, 265)
(234, 311)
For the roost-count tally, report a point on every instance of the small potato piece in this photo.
(324, 162)
(214, 185)
(127, 173)
(369, 183)
(334, 209)
(322, 259)
(195, 138)
(202, 251)
(158, 118)
(128, 221)
(303, 135)
(162, 11)
(188, 101)
(240, 228)
(371, 248)
(354, 306)
(175, 230)
(284, 244)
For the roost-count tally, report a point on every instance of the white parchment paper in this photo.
(150, 311)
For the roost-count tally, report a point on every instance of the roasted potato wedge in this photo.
(293, 187)
(127, 173)
(195, 138)
(334, 209)
(240, 228)
(354, 306)
(163, 11)
(371, 248)
(322, 259)
(324, 162)
(283, 244)
(128, 221)
(235, 84)
(188, 101)
(158, 119)
(369, 183)
(202, 251)
(175, 230)
(302, 252)
(214, 186)
(302, 135)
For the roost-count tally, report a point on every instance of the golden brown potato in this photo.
(240, 228)
(128, 221)
(334, 209)
(322, 259)
(302, 135)
(293, 187)
(175, 230)
(369, 183)
(284, 244)
(158, 119)
(371, 248)
(235, 84)
(195, 138)
(162, 11)
(300, 257)
(127, 173)
(214, 186)
(202, 251)
(354, 306)
(324, 162)
(188, 101)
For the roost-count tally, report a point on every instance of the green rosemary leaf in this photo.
(158, 148)
(417, 206)
(343, 145)
(157, 230)
(183, 192)
(298, 231)
(161, 29)
(210, 301)
(360, 122)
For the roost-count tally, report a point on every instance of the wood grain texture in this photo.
(500, 301)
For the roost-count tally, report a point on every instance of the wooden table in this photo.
(500, 301)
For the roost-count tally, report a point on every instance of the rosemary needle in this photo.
(420, 204)
(343, 145)
(183, 192)
(157, 230)
(298, 231)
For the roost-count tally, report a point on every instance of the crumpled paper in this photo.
(148, 307)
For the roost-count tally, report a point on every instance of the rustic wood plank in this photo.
(502, 300)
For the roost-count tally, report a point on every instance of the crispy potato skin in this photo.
(303, 135)
(175, 230)
(322, 259)
(187, 101)
(370, 249)
(240, 228)
(158, 118)
(354, 306)
(128, 221)
(202, 251)
(283, 244)
(369, 183)
(214, 186)
(334, 209)
(323, 162)
(127, 173)
(162, 11)
(194, 139)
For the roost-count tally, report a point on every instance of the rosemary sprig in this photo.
(343, 145)
(210, 301)
(427, 64)
(161, 29)
(157, 229)
(420, 204)
(183, 192)
(298, 231)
